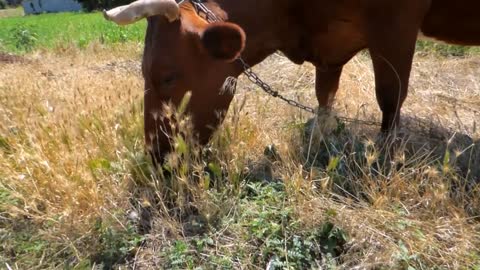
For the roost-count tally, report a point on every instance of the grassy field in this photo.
(60, 31)
(57, 31)
(274, 190)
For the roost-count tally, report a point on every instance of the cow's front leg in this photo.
(326, 86)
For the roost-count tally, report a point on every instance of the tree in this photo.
(13, 3)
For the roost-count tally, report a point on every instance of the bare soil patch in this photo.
(11, 58)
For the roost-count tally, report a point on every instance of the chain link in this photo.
(254, 78)
(201, 8)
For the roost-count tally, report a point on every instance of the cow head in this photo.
(183, 54)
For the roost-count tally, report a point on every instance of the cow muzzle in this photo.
(140, 9)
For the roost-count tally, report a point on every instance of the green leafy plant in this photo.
(406, 258)
(280, 241)
(24, 38)
(116, 244)
(179, 256)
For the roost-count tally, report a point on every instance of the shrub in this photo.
(3, 4)
(24, 38)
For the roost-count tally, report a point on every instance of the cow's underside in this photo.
(330, 33)
(453, 21)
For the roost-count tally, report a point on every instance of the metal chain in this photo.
(253, 77)
(201, 8)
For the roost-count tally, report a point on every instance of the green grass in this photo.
(50, 31)
(442, 49)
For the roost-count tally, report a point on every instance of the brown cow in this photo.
(183, 52)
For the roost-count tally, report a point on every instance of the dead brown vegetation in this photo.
(70, 130)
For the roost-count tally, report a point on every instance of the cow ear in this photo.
(223, 41)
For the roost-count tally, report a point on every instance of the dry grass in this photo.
(11, 12)
(75, 186)
(61, 125)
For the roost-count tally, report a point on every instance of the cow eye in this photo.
(169, 80)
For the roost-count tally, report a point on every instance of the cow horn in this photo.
(140, 9)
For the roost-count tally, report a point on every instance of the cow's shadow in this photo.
(357, 148)
(463, 150)
(323, 139)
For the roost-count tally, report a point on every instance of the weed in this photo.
(279, 239)
(179, 256)
(24, 39)
(115, 244)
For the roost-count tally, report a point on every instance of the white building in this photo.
(40, 6)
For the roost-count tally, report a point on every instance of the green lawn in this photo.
(23, 34)
(443, 49)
